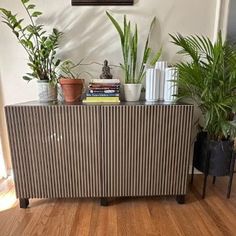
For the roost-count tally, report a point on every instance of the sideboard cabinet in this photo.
(75, 150)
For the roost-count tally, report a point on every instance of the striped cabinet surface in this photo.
(55, 150)
(76, 150)
(145, 149)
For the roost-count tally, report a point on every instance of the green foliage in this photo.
(67, 69)
(134, 71)
(40, 47)
(209, 79)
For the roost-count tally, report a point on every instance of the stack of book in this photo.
(103, 91)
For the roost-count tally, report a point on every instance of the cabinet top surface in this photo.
(59, 103)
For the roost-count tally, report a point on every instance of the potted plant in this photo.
(72, 86)
(134, 69)
(40, 47)
(208, 78)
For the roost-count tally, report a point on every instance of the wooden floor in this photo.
(143, 216)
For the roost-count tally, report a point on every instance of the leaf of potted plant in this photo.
(40, 47)
(71, 85)
(209, 80)
(134, 69)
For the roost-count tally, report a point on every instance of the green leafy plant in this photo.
(209, 79)
(134, 71)
(68, 69)
(40, 47)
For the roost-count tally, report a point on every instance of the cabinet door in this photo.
(55, 150)
(145, 149)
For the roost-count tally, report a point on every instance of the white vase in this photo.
(47, 92)
(161, 66)
(152, 85)
(171, 74)
(132, 92)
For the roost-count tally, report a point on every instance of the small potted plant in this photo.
(208, 78)
(72, 86)
(134, 69)
(40, 47)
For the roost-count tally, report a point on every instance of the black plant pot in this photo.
(212, 157)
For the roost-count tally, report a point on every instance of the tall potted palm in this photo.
(133, 67)
(40, 47)
(208, 78)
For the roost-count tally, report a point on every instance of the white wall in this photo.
(89, 34)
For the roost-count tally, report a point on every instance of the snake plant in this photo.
(133, 68)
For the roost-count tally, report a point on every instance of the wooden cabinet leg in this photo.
(180, 199)
(24, 202)
(104, 202)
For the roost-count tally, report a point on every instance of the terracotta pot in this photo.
(72, 89)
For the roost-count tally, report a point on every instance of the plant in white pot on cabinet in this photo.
(134, 68)
(40, 47)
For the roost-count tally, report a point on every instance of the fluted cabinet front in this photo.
(55, 150)
(61, 151)
(146, 149)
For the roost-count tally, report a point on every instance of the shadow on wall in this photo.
(3, 131)
(92, 37)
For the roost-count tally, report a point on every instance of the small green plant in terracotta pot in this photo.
(72, 85)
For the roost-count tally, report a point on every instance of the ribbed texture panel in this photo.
(55, 150)
(146, 150)
(99, 151)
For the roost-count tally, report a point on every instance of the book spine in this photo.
(102, 95)
(95, 85)
(105, 81)
(106, 91)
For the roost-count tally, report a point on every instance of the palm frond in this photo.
(209, 79)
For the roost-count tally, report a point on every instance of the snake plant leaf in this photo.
(156, 58)
(117, 26)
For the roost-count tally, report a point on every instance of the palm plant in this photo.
(209, 79)
(134, 71)
(40, 47)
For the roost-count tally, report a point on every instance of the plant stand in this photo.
(206, 174)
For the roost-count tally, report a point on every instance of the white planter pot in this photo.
(152, 85)
(46, 91)
(132, 92)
